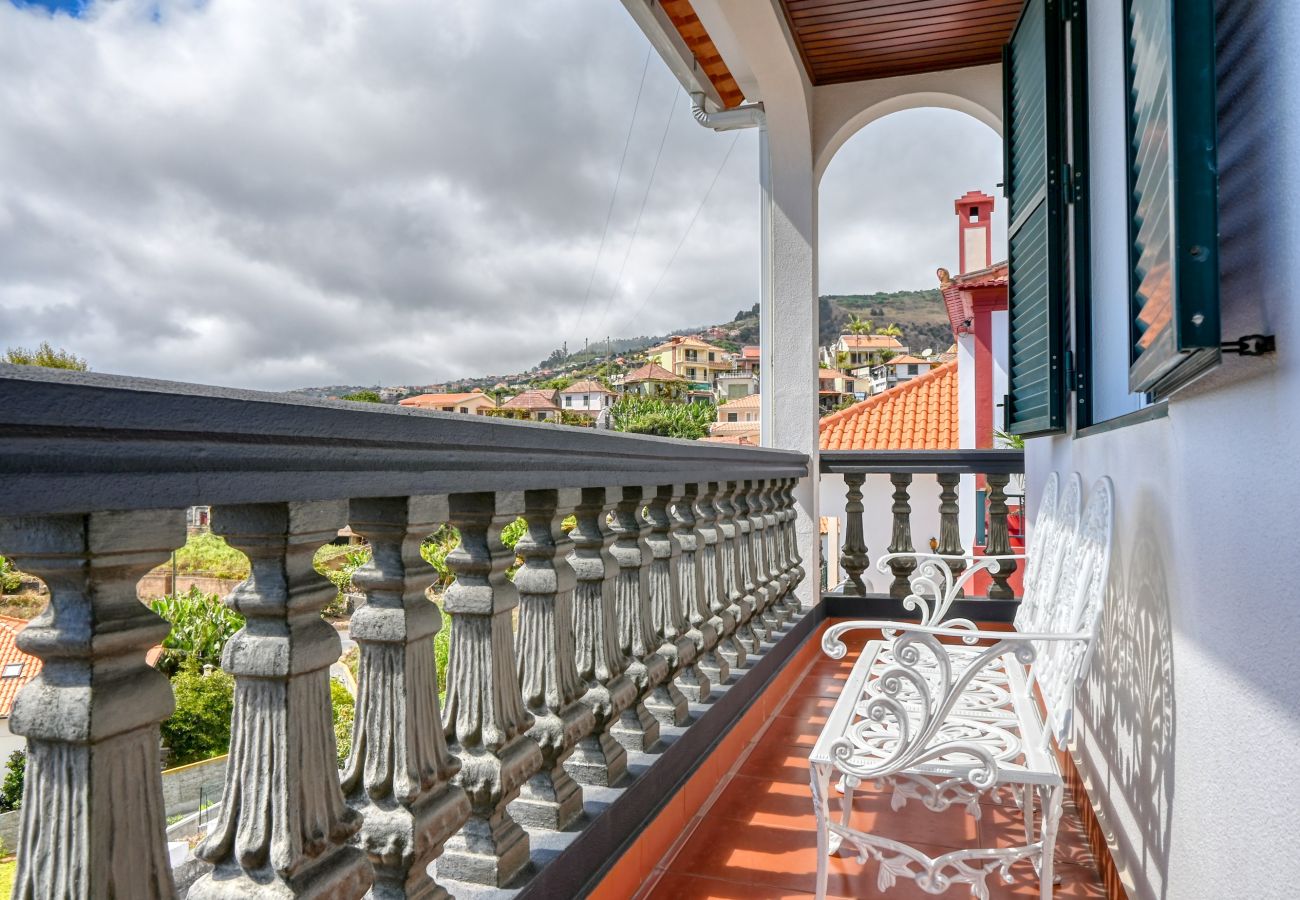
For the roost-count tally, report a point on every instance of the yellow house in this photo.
(695, 360)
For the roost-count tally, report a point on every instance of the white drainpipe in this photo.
(751, 115)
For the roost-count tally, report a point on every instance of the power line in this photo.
(609, 213)
(636, 229)
(687, 232)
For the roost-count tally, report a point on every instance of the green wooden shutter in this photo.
(1031, 72)
(1173, 240)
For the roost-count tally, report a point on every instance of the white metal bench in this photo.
(950, 723)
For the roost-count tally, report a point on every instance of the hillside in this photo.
(919, 314)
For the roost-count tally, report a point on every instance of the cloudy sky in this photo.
(274, 195)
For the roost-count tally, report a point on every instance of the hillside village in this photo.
(872, 342)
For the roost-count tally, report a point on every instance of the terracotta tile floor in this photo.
(755, 838)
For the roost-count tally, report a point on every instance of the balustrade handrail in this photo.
(73, 442)
(963, 462)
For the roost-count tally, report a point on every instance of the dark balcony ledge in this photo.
(964, 462)
(841, 605)
(74, 442)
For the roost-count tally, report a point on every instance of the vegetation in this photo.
(11, 789)
(209, 554)
(46, 357)
(338, 562)
(363, 397)
(200, 727)
(11, 580)
(344, 707)
(653, 415)
(558, 383)
(201, 625)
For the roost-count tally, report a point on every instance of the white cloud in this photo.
(355, 191)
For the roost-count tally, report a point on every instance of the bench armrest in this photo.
(934, 588)
(833, 647)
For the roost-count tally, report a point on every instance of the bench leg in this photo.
(1052, 800)
(848, 784)
(820, 775)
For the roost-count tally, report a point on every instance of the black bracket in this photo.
(1251, 345)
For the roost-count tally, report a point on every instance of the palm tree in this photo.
(859, 326)
(891, 330)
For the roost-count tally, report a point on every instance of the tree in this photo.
(890, 330)
(201, 625)
(11, 790)
(363, 397)
(859, 325)
(45, 356)
(344, 707)
(200, 727)
(842, 360)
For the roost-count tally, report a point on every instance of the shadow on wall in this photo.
(1127, 707)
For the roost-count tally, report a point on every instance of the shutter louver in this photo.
(1031, 71)
(1174, 323)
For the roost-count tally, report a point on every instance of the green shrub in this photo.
(10, 579)
(441, 651)
(200, 727)
(338, 562)
(209, 554)
(201, 625)
(11, 789)
(666, 418)
(46, 357)
(363, 397)
(344, 708)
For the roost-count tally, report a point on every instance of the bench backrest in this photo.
(1054, 529)
(1072, 602)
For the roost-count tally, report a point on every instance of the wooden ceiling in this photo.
(683, 17)
(854, 40)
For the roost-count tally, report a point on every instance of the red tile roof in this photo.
(538, 399)
(750, 401)
(651, 372)
(10, 655)
(920, 414)
(870, 342)
(586, 387)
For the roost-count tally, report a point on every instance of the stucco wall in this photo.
(1190, 719)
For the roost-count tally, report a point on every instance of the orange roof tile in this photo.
(440, 400)
(749, 401)
(587, 386)
(870, 342)
(535, 399)
(920, 414)
(11, 656)
(651, 372)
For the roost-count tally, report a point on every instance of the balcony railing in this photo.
(614, 638)
(897, 471)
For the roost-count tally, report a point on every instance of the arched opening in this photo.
(910, 205)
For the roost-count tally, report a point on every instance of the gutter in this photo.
(750, 115)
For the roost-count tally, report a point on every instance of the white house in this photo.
(587, 397)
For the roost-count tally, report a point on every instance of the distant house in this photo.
(861, 350)
(540, 403)
(474, 403)
(653, 380)
(738, 419)
(16, 669)
(585, 397)
(894, 372)
(697, 361)
(834, 387)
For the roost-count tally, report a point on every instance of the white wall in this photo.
(1190, 721)
(878, 517)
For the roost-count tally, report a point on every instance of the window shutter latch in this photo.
(1251, 345)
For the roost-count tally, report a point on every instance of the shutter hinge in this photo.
(1006, 413)
(1069, 371)
(1070, 10)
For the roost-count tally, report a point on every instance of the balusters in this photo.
(788, 516)
(901, 536)
(950, 525)
(92, 820)
(667, 702)
(998, 542)
(548, 674)
(694, 607)
(717, 660)
(637, 729)
(778, 581)
(484, 716)
(853, 558)
(399, 773)
(598, 758)
(764, 589)
(752, 630)
(737, 606)
(283, 820)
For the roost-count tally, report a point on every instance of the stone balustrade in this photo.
(585, 642)
(991, 470)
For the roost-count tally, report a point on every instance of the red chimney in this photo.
(974, 231)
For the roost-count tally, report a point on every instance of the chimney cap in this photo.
(972, 198)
